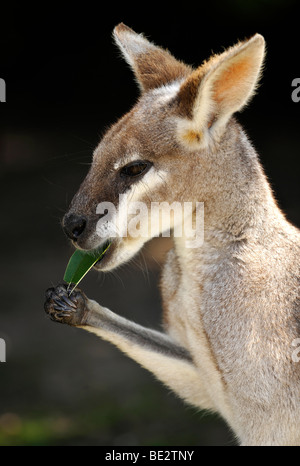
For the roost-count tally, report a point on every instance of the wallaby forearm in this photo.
(172, 365)
(113, 327)
(155, 351)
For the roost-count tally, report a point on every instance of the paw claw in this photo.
(69, 302)
(61, 308)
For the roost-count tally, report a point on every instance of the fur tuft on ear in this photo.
(131, 44)
(152, 65)
(217, 89)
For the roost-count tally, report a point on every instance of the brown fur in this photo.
(156, 67)
(233, 303)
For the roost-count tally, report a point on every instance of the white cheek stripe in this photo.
(117, 223)
(146, 185)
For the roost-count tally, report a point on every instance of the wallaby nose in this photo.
(74, 225)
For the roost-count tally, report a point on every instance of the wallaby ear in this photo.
(152, 65)
(217, 89)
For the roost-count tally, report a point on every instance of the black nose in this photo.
(74, 226)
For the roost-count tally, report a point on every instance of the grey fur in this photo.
(233, 304)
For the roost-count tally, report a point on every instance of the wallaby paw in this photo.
(66, 308)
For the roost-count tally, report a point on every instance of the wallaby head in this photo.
(168, 147)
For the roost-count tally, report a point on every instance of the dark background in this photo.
(65, 84)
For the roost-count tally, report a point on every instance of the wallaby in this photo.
(230, 306)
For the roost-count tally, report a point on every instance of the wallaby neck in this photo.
(238, 201)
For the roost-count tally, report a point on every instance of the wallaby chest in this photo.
(183, 296)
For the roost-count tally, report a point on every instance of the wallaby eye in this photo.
(135, 168)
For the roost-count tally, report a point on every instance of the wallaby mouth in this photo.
(102, 251)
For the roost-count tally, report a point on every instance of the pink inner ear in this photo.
(233, 82)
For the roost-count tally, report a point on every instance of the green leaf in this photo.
(80, 264)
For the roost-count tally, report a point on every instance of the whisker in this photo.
(144, 267)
